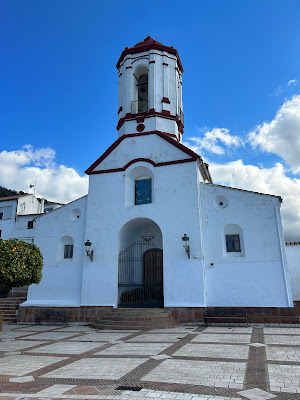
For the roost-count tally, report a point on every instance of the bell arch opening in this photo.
(140, 265)
(140, 103)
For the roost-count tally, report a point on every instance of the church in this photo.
(154, 231)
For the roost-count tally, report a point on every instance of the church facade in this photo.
(154, 231)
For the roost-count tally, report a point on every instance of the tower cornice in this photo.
(146, 45)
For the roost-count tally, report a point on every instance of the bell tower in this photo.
(150, 90)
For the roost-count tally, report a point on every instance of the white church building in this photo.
(153, 230)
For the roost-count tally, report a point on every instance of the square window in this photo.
(233, 243)
(30, 225)
(143, 191)
(68, 253)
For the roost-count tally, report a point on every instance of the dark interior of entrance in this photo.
(141, 275)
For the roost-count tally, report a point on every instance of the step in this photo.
(136, 319)
(144, 322)
(133, 318)
(100, 325)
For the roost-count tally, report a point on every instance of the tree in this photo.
(20, 264)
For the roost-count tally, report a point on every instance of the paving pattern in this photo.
(183, 363)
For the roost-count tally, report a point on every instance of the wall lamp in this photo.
(186, 244)
(89, 252)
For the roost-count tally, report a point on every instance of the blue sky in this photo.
(58, 88)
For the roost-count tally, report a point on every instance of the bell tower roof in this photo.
(148, 44)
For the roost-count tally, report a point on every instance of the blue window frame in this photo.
(143, 191)
(233, 243)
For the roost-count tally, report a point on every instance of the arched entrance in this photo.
(140, 281)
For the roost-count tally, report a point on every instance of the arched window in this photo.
(140, 103)
(139, 185)
(65, 249)
(142, 93)
(233, 241)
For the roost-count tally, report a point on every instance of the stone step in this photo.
(138, 312)
(9, 306)
(141, 326)
(136, 318)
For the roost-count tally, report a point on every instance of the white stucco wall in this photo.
(8, 220)
(149, 146)
(61, 282)
(174, 209)
(293, 259)
(258, 275)
(29, 205)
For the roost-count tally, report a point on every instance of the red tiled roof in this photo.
(14, 197)
(149, 44)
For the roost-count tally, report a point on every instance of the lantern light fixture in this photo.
(186, 244)
(89, 252)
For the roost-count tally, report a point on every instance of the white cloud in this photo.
(213, 141)
(21, 168)
(282, 135)
(265, 180)
(293, 82)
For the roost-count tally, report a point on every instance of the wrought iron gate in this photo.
(141, 276)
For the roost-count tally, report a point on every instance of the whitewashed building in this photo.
(293, 257)
(158, 232)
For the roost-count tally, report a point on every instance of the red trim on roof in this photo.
(14, 197)
(149, 44)
(163, 135)
(161, 164)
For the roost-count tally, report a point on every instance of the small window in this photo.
(68, 251)
(233, 243)
(1, 215)
(30, 225)
(143, 191)
(0, 234)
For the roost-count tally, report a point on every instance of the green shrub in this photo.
(20, 264)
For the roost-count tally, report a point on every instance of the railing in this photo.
(139, 106)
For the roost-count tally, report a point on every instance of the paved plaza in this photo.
(43, 362)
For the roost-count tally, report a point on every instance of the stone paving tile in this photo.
(282, 331)
(284, 378)
(257, 394)
(38, 328)
(15, 345)
(117, 330)
(21, 365)
(141, 349)
(100, 337)
(66, 348)
(283, 353)
(221, 338)
(177, 329)
(229, 329)
(282, 339)
(96, 368)
(11, 334)
(163, 337)
(213, 351)
(22, 379)
(50, 336)
(77, 328)
(209, 373)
